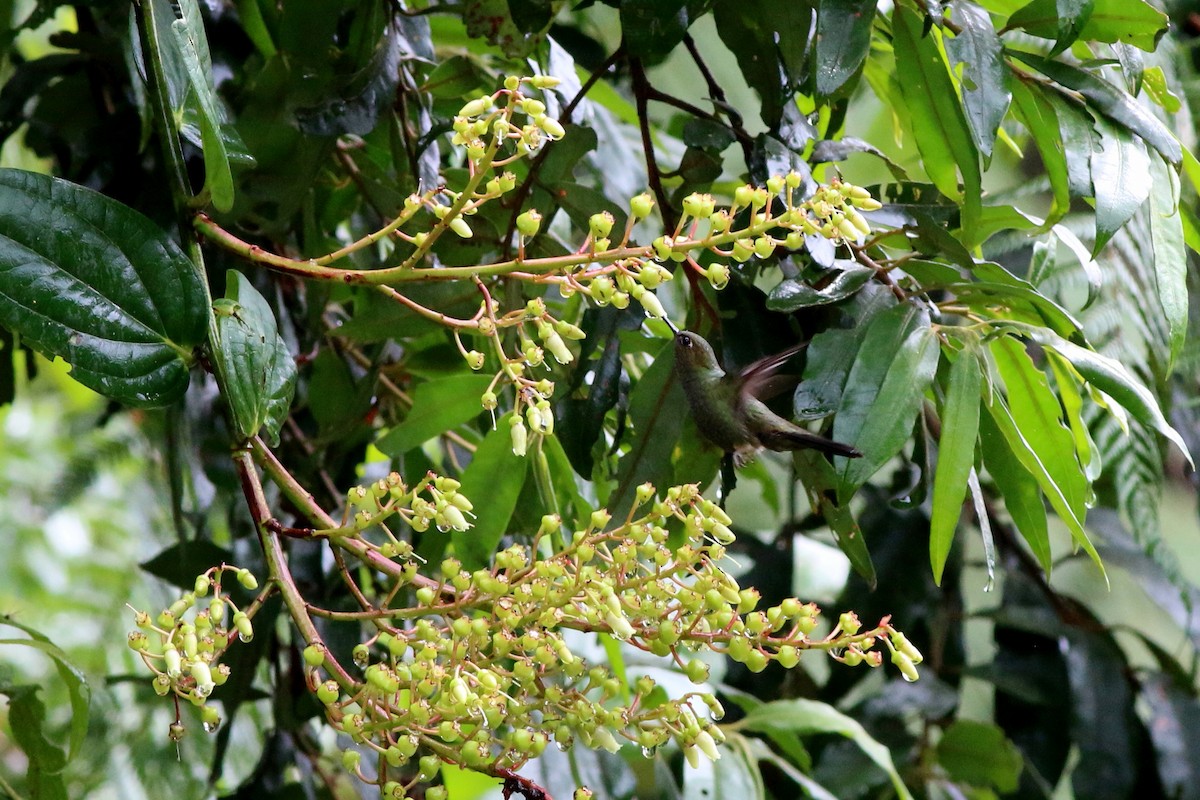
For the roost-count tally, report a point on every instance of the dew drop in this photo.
(211, 727)
(244, 637)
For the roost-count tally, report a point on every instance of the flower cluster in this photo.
(183, 644)
(479, 671)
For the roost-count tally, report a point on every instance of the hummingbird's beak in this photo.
(670, 325)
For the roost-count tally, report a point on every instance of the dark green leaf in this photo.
(493, 481)
(192, 48)
(492, 20)
(756, 29)
(980, 754)
(976, 51)
(820, 482)
(259, 374)
(1104, 724)
(1121, 176)
(1170, 257)
(829, 150)
(26, 720)
(1037, 114)
(180, 563)
(1020, 490)
(792, 294)
(438, 406)
(88, 279)
(939, 126)
(956, 456)
(652, 28)
(1112, 378)
(1129, 21)
(885, 390)
(843, 39)
(78, 690)
(810, 716)
(1110, 101)
(1174, 727)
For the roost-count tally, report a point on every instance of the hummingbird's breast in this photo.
(715, 408)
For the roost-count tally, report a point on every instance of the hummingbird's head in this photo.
(692, 352)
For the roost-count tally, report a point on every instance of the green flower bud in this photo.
(558, 348)
(642, 205)
(600, 225)
(476, 107)
(314, 655)
(552, 127)
(247, 580)
(653, 307)
(529, 222)
(518, 435)
(475, 359)
(743, 195)
(907, 668)
(742, 251)
(202, 584)
(696, 671)
(901, 643)
(174, 662)
(460, 226)
(849, 623)
(244, 627)
(488, 400)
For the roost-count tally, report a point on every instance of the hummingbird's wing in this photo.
(759, 378)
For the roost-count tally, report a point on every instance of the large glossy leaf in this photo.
(438, 406)
(44, 758)
(956, 456)
(1174, 727)
(1129, 21)
(792, 294)
(884, 390)
(1121, 175)
(939, 125)
(843, 39)
(1170, 256)
(811, 717)
(258, 373)
(493, 481)
(1111, 101)
(975, 50)
(88, 279)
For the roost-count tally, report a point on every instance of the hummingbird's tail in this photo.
(800, 439)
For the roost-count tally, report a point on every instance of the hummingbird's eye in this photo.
(685, 340)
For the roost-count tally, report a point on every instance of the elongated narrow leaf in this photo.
(1121, 174)
(820, 482)
(941, 129)
(885, 390)
(1038, 414)
(1037, 114)
(956, 456)
(78, 689)
(1170, 257)
(1128, 21)
(1112, 378)
(493, 481)
(977, 52)
(439, 405)
(1111, 101)
(811, 716)
(843, 39)
(95, 282)
(258, 371)
(1020, 490)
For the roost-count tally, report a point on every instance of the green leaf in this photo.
(438, 406)
(1109, 100)
(820, 482)
(1020, 490)
(843, 40)
(192, 47)
(95, 282)
(980, 754)
(180, 563)
(1129, 21)
(956, 456)
(259, 374)
(977, 57)
(1154, 81)
(493, 481)
(1170, 256)
(78, 689)
(1121, 176)
(791, 294)
(1112, 378)
(939, 126)
(1037, 114)
(885, 390)
(812, 717)
(26, 720)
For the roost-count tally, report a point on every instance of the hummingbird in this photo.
(729, 409)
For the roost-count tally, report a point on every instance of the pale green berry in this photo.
(641, 205)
